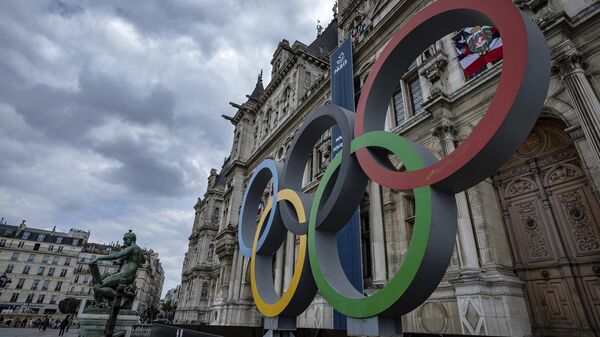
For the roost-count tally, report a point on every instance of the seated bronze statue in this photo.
(105, 287)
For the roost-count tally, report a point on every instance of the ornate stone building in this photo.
(527, 257)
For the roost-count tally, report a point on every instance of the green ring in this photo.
(392, 293)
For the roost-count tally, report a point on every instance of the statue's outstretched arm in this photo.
(113, 256)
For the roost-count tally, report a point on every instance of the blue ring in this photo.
(248, 218)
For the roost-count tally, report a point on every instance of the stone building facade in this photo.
(527, 256)
(40, 264)
(47, 266)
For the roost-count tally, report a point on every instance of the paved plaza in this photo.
(18, 332)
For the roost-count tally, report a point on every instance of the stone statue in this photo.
(105, 286)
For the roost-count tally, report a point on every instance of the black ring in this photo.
(341, 200)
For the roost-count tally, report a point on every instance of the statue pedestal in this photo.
(92, 322)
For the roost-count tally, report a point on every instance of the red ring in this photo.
(509, 21)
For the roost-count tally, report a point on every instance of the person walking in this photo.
(70, 321)
(63, 325)
(45, 323)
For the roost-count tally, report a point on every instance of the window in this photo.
(55, 260)
(21, 244)
(35, 284)
(416, 96)
(41, 270)
(399, 106)
(82, 291)
(50, 248)
(31, 258)
(67, 261)
(2, 242)
(20, 283)
(86, 279)
(60, 249)
(409, 209)
(14, 297)
(53, 299)
(29, 298)
(45, 259)
(26, 235)
(40, 298)
(15, 256)
(51, 271)
(407, 99)
(26, 269)
(58, 286)
(36, 247)
(75, 242)
(76, 279)
(9, 268)
(63, 273)
(59, 239)
(41, 237)
(216, 215)
(46, 284)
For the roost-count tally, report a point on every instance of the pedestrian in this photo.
(24, 323)
(70, 317)
(63, 325)
(45, 323)
(17, 322)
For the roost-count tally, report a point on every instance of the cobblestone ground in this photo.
(17, 332)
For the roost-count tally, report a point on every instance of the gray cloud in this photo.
(110, 110)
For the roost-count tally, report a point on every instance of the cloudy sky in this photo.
(110, 111)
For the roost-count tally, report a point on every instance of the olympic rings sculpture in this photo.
(316, 219)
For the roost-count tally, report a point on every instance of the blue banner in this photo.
(342, 94)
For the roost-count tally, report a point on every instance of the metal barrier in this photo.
(173, 331)
(141, 330)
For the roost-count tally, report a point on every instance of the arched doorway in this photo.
(552, 220)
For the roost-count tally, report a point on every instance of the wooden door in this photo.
(551, 217)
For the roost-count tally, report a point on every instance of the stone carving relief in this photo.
(471, 316)
(433, 317)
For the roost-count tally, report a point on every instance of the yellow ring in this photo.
(274, 309)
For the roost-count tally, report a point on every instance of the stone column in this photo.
(278, 271)
(377, 235)
(568, 63)
(290, 260)
(230, 275)
(466, 237)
